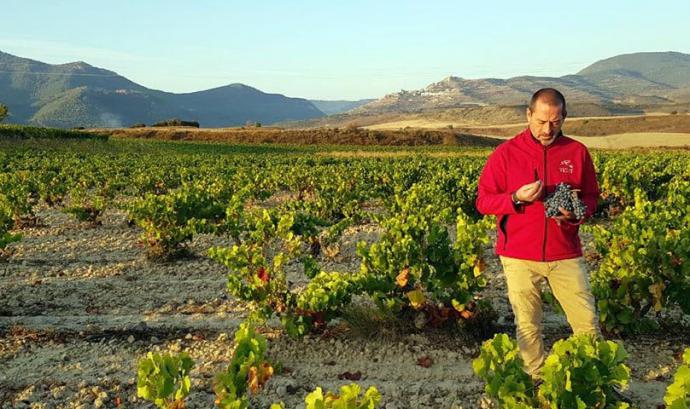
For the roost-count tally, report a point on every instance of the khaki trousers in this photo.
(570, 285)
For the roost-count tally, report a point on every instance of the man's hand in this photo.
(565, 216)
(530, 192)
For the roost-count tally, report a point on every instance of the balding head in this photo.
(549, 96)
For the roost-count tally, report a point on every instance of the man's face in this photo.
(545, 121)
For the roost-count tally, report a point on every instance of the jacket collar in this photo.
(528, 140)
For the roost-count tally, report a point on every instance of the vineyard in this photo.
(141, 273)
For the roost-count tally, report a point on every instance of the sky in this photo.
(347, 49)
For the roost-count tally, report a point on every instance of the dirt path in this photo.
(429, 123)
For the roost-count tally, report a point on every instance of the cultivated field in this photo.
(115, 259)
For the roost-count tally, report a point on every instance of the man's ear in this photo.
(528, 113)
(565, 114)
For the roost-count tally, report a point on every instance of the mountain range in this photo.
(78, 94)
(639, 79)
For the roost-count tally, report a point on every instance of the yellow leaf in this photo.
(657, 291)
(253, 379)
(403, 277)
(417, 298)
(479, 267)
(258, 376)
(459, 307)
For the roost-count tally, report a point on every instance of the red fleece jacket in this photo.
(524, 231)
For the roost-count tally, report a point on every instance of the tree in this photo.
(3, 112)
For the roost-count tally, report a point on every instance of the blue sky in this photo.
(338, 49)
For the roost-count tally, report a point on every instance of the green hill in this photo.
(78, 94)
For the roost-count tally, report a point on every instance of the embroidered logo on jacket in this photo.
(566, 166)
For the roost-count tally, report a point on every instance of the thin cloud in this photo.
(60, 53)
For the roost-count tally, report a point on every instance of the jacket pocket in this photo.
(564, 238)
(503, 225)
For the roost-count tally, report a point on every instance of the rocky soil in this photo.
(79, 305)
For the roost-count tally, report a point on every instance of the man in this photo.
(513, 185)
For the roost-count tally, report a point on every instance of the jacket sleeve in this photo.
(493, 196)
(590, 188)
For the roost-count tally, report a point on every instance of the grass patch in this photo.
(369, 322)
(16, 132)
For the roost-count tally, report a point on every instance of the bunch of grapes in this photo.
(566, 198)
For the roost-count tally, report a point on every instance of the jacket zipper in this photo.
(546, 219)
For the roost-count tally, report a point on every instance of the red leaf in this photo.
(425, 361)
(263, 274)
(319, 318)
(678, 355)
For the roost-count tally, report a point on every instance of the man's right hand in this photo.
(530, 192)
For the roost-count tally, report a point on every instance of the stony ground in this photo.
(79, 305)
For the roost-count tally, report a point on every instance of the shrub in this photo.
(499, 365)
(583, 372)
(348, 398)
(414, 266)
(164, 379)
(646, 256)
(176, 122)
(171, 219)
(19, 191)
(6, 224)
(678, 393)
(580, 372)
(248, 371)
(257, 274)
(89, 199)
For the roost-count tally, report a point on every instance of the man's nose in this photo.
(547, 127)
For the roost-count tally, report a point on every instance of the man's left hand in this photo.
(565, 216)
